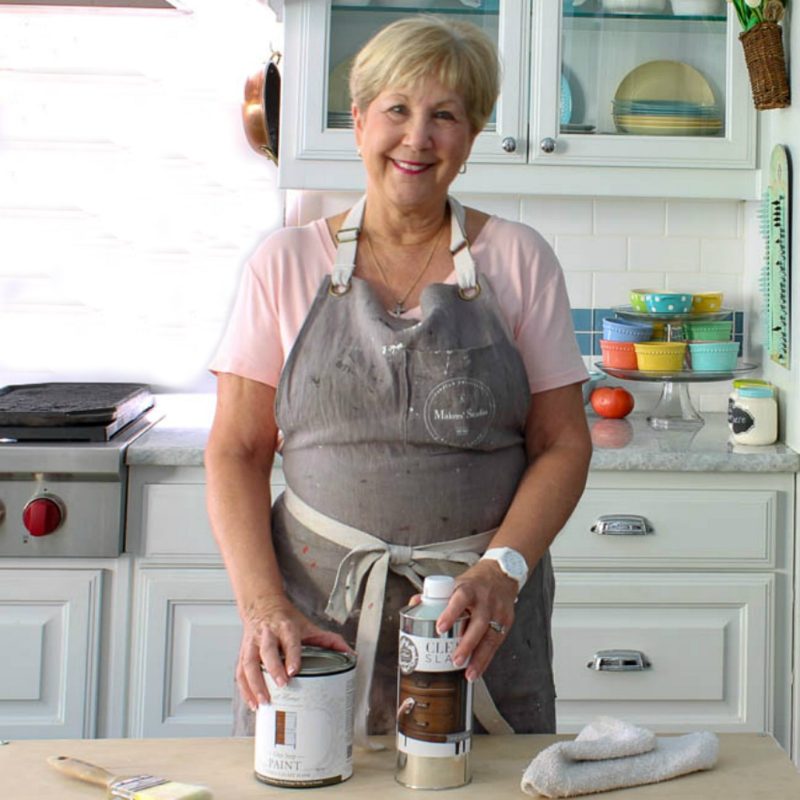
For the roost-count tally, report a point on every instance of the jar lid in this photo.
(755, 391)
(741, 382)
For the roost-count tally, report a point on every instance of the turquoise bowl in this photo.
(713, 356)
(668, 302)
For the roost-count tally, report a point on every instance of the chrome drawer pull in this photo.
(621, 525)
(619, 661)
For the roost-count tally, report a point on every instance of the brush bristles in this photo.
(170, 790)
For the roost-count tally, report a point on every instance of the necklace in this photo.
(400, 302)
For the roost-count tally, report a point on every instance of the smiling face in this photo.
(413, 141)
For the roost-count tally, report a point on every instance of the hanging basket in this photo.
(763, 52)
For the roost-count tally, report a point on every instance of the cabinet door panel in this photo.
(705, 637)
(187, 635)
(49, 638)
(646, 90)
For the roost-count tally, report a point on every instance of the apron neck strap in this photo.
(347, 245)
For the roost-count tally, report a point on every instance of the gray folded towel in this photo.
(612, 754)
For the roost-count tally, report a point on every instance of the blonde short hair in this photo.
(457, 54)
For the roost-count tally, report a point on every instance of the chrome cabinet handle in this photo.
(622, 525)
(509, 144)
(548, 145)
(619, 661)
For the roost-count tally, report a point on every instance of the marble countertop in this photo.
(179, 439)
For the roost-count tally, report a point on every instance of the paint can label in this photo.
(304, 735)
(434, 716)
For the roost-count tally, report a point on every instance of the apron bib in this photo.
(412, 431)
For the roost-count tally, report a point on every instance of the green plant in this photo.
(752, 12)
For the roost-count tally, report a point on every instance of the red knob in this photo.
(42, 516)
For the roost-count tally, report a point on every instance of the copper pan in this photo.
(261, 108)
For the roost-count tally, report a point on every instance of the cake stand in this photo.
(674, 410)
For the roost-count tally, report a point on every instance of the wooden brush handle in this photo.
(82, 770)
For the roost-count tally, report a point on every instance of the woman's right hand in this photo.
(274, 632)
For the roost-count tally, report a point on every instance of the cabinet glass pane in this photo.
(652, 73)
(352, 24)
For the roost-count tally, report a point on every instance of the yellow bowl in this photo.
(706, 301)
(660, 356)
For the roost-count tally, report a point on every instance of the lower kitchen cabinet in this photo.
(64, 642)
(689, 575)
(692, 572)
(185, 624)
(187, 632)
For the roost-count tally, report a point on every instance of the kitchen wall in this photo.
(128, 193)
(129, 200)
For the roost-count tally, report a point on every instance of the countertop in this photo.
(750, 766)
(628, 444)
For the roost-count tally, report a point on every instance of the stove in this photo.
(63, 478)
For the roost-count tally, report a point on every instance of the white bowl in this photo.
(697, 8)
(635, 6)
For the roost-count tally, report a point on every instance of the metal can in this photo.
(434, 699)
(304, 735)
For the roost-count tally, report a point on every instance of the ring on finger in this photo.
(497, 627)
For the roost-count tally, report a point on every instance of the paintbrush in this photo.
(135, 787)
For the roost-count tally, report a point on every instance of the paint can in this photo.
(434, 698)
(304, 735)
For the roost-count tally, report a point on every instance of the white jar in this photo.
(753, 417)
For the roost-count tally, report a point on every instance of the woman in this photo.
(419, 362)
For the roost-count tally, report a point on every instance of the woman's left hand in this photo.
(486, 595)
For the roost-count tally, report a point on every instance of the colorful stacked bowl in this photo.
(637, 299)
(616, 329)
(718, 330)
(668, 302)
(620, 355)
(660, 356)
(713, 356)
(703, 302)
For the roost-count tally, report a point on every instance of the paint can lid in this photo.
(321, 661)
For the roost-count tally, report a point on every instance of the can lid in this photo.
(755, 391)
(321, 661)
(437, 587)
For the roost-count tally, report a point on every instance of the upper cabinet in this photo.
(609, 97)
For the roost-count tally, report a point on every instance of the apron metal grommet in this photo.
(470, 293)
(338, 290)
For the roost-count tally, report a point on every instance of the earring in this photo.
(463, 168)
(358, 152)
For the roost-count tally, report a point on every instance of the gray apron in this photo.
(403, 448)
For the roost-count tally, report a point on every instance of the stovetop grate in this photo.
(70, 411)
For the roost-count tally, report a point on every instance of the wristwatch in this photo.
(511, 562)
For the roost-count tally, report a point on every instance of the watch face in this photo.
(515, 564)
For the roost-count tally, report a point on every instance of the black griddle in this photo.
(78, 412)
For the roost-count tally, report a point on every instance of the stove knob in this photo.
(43, 515)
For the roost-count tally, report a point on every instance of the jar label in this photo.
(741, 421)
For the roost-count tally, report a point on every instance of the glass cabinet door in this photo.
(641, 81)
(330, 32)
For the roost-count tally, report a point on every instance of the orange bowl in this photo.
(620, 355)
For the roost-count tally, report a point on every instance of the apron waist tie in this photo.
(370, 558)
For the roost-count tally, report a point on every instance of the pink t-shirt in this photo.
(283, 276)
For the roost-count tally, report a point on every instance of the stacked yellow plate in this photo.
(666, 98)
